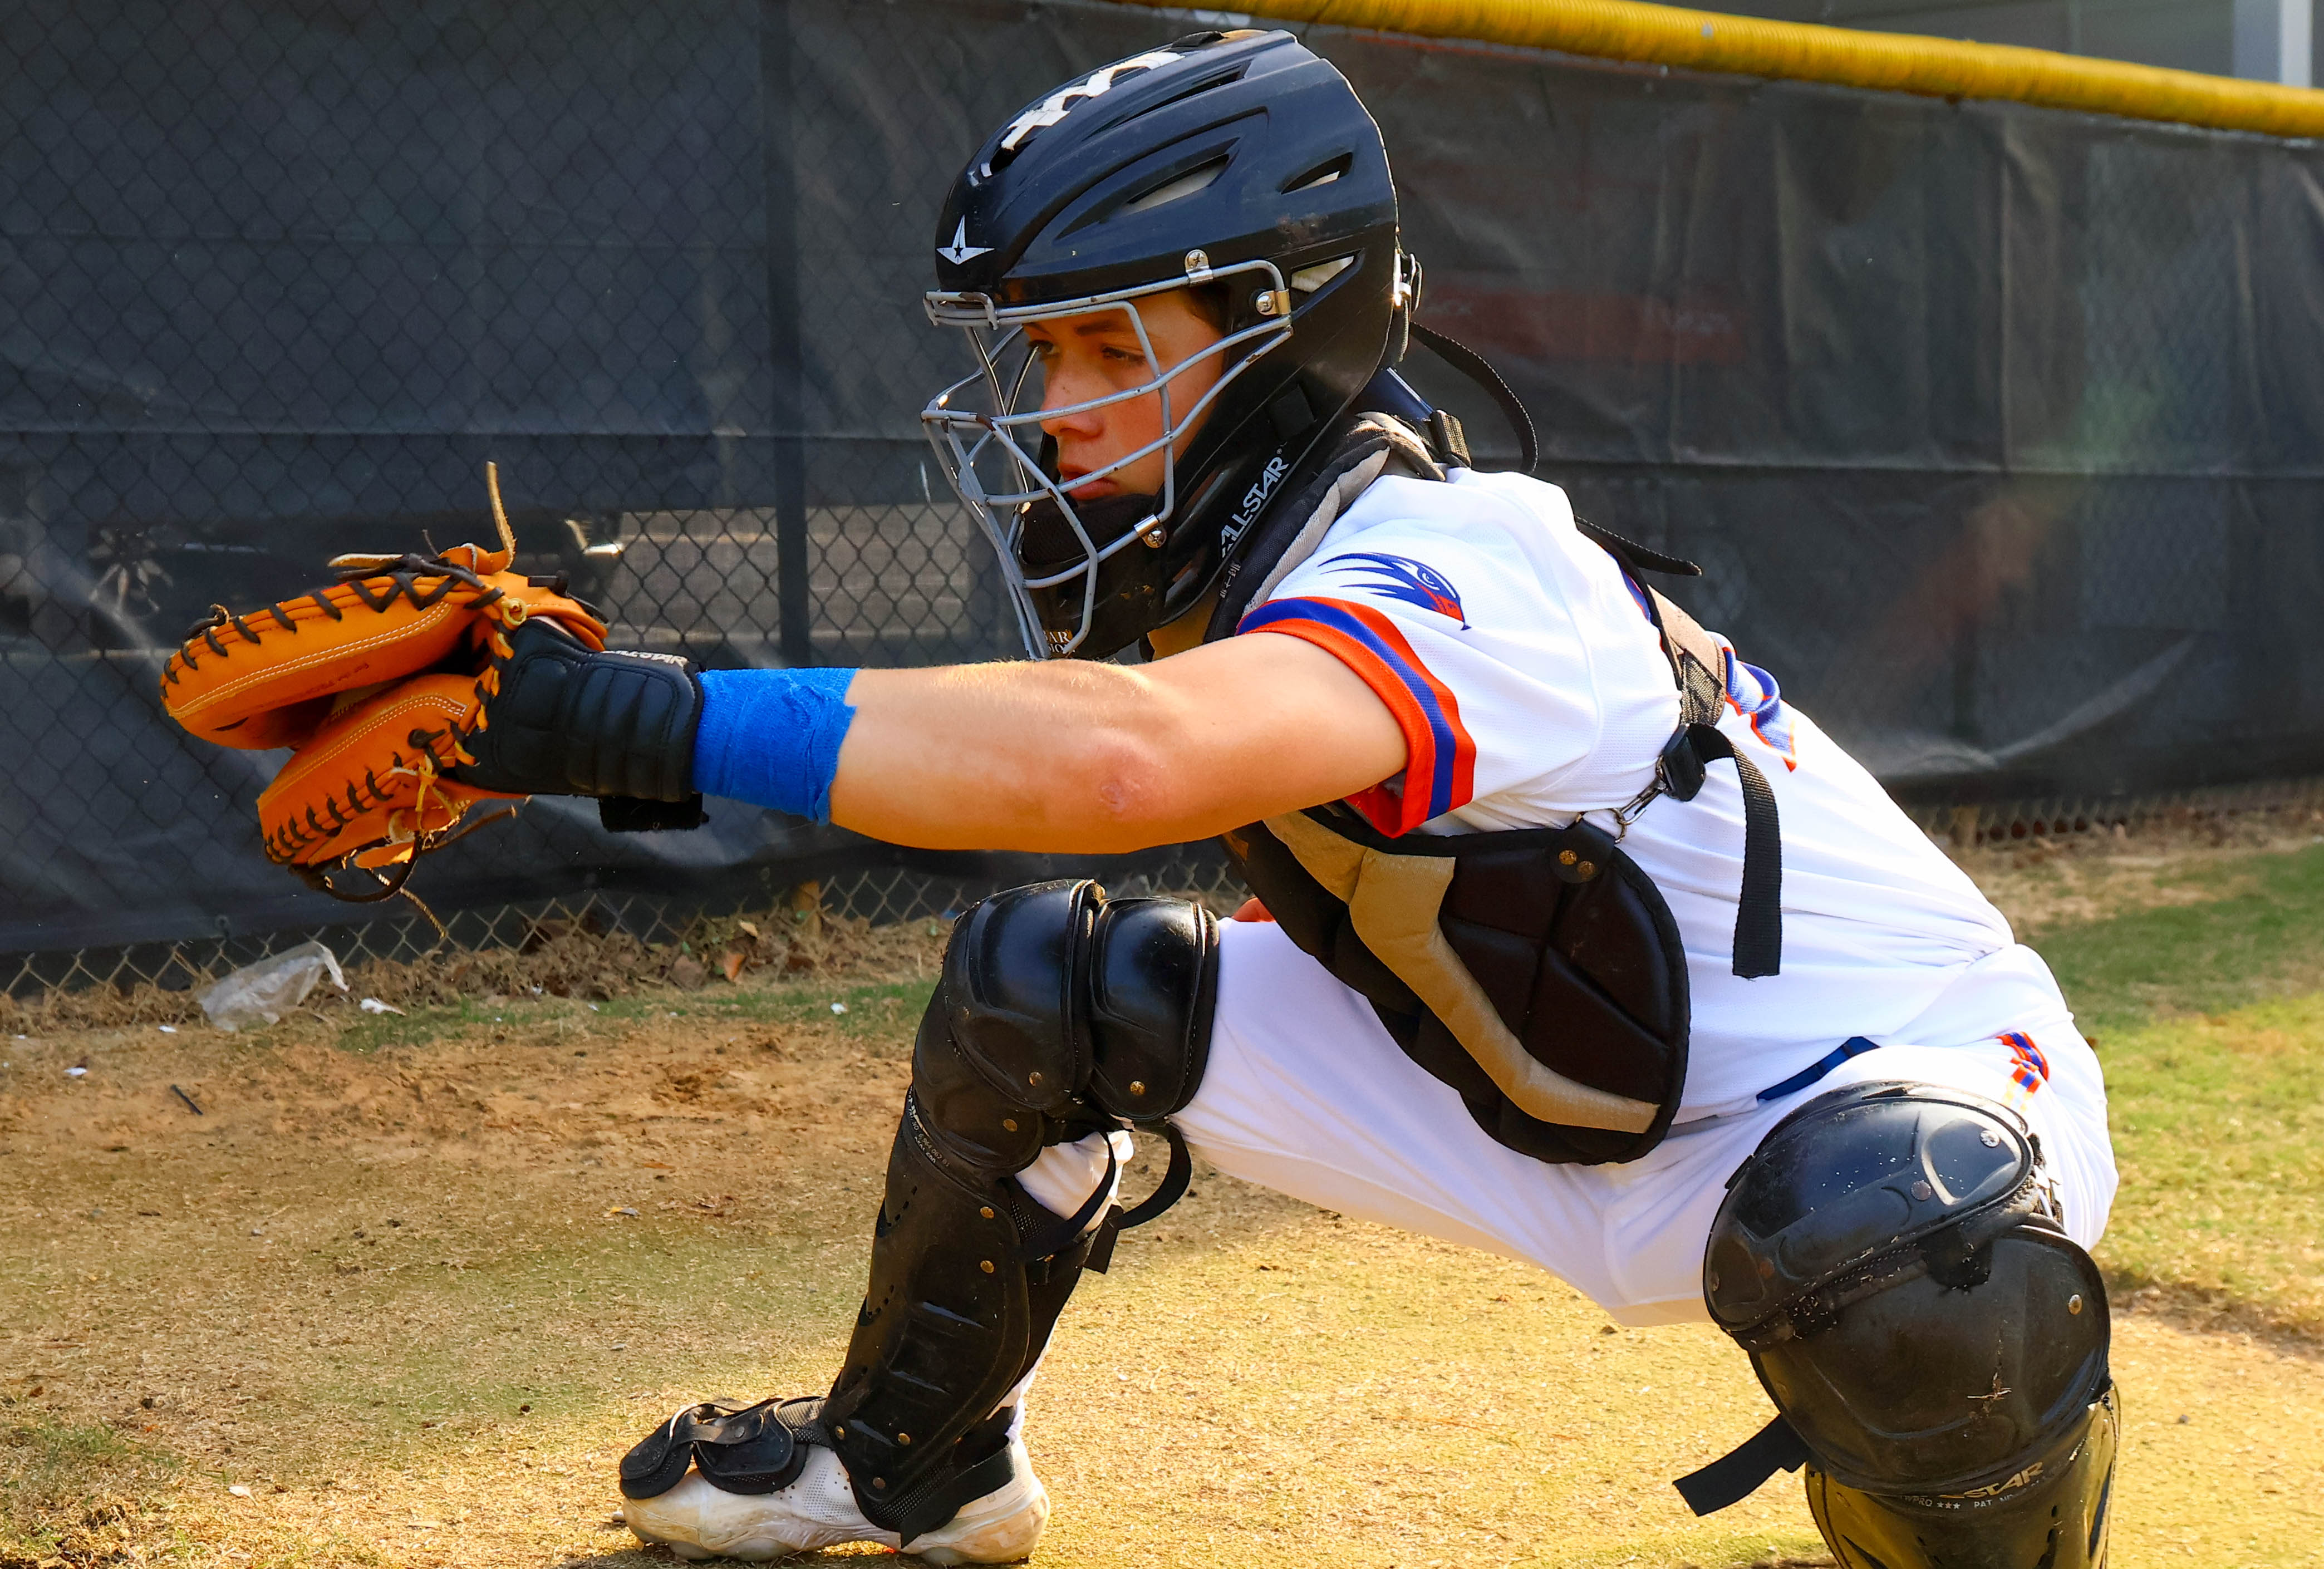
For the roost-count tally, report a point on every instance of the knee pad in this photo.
(1060, 1013)
(1935, 1343)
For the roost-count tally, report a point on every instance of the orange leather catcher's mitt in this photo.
(376, 682)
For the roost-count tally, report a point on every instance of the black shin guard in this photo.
(1060, 1015)
(950, 1324)
(1935, 1342)
(2050, 1513)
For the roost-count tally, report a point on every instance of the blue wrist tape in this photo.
(771, 737)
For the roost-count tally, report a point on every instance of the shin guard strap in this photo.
(1745, 1469)
(1173, 1188)
(936, 1501)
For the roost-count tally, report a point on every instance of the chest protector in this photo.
(1538, 971)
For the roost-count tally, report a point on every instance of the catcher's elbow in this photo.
(1123, 792)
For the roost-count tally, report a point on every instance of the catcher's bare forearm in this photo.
(1077, 756)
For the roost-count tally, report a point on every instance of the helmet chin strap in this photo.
(1045, 540)
(1048, 545)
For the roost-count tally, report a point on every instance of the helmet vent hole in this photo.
(1176, 188)
(1307, 280)
(1226, 77)
(1324, 173)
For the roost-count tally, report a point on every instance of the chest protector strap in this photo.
(1698, 664)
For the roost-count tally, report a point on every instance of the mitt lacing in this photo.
(374, 588)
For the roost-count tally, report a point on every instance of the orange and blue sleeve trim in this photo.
(1752, 693)
(2027, 1066)
(1440, 757)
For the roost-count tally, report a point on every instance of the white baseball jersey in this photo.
(1531, 687)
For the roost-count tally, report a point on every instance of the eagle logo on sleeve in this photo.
(1401, 578)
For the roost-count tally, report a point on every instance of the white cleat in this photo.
(696, 1520)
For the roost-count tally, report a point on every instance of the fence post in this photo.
(787, 372)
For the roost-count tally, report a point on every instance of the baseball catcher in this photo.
(1573, 939)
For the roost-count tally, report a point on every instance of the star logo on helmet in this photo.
(960, 252)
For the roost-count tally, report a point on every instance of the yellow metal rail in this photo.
(1939, 67)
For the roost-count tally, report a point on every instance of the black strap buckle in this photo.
(1681, 767)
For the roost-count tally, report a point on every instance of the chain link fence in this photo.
(896, 894)
(876, 896)
(1997, 429)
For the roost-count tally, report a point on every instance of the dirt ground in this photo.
(405, 1288)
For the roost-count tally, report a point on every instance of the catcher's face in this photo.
(1085, 359)
(1066, 441)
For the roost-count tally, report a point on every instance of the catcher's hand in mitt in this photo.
(416, 687)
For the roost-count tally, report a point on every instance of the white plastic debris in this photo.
(839, 1008)
(169, 1029)
(239, 1490)
(74, 1072)
(374, 1005)
(271, 988)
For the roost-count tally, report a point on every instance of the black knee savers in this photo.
(1936, 1344)
(1061, 1014)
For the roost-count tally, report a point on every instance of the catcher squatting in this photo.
(1578, 944)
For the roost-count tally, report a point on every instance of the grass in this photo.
(867, 1012)
(2210, 1022)
(72, 1492)
(2265, 940)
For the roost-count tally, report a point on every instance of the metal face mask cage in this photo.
(991, 455)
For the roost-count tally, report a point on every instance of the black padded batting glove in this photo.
(618, 725)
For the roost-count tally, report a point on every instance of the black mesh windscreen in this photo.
(1997, 428)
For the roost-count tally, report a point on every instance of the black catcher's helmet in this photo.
(1238, 162)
